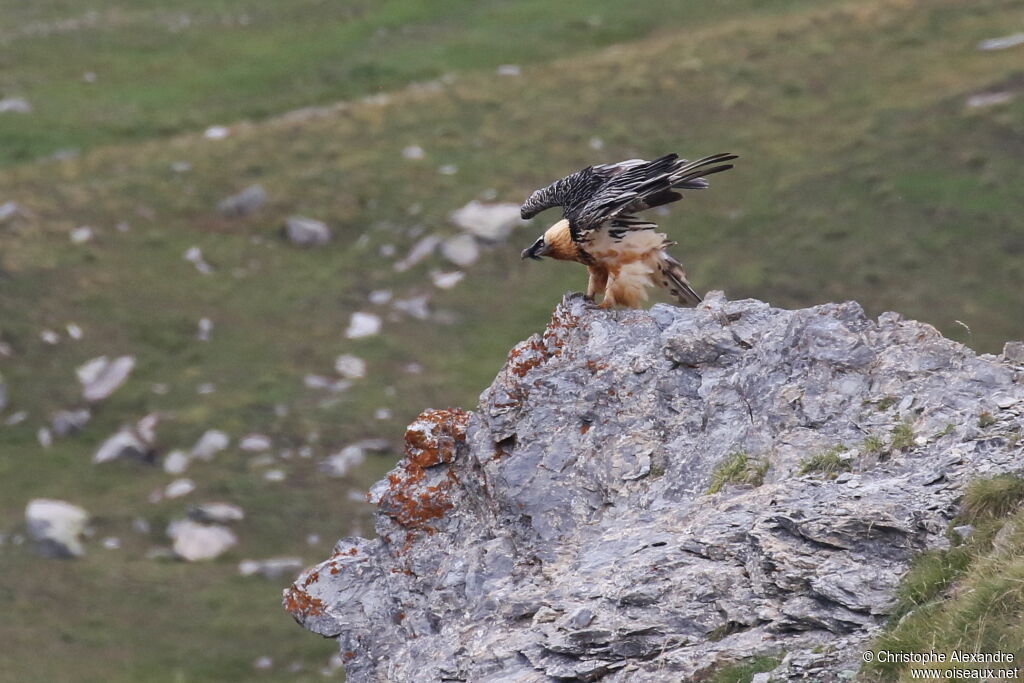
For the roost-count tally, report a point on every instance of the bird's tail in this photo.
(673, 278)
(690, 175)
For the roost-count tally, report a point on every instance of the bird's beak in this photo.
(535, 250)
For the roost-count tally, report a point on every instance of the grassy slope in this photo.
(863, 177)
(161, 69)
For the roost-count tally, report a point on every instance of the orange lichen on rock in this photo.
(301, 604)
(432, 439)
(535, 352)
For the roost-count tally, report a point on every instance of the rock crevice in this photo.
(563, 530)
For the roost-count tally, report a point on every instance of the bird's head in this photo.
(536, 250)
(556, 243)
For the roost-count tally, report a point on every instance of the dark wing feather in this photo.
(568, 190)
(641, 187)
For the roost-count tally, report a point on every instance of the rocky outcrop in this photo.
(564, 531)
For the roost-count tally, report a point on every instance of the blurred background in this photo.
(243, 243)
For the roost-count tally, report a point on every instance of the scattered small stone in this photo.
(387, 250)
(176, 462)
(272, 568)
(596, 144)
(194, 255)
(44, 437)
(462, 250)
(448, 169)
(363, 325)
(379, 296)
(1002, 43)
(3, 394)
(15, 105)
(179, 488)
(1013, 351)
(412, 368)
(206, 388)
(81, 235)
(413, 153)
(509, 70)
(194, 542)
(140, 525)
(9, 211)
(101, 377)
(312, 539)
(205, 328)
(421, 250)
(963, 531)
(212, 441)
(320, 382)
(56, 527)
(492, 222)
(274, 475)
(342, 462)
(255, 443)
(74, 331)
(350, 367)
(16, 418)
(264, 460)
(160, 389)
(307, 232)
(263, 663)
(415, 306)
(89, 77)
(382, 413)
(245, 203)
(988, 99)
(111, 543)
(446, 280)
(216, 132)
(49, 337)
(181, 167)
(128, 442)
(217, 513)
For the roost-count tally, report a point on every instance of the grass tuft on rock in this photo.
(828, 463)
(967, 598)
(738, 468)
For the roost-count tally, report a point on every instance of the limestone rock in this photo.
(307, 232)
(217, 513)
(563, 530)
(272, 568)
(101, 377)
(491, 222)
(56, 527)
(194, 542)
(244, 203)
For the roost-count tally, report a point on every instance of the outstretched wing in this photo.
(640, 187)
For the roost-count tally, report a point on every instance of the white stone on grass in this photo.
(212, 441)
(101, 377)
(56, 527)
(363, 325)
(194, 542)
(350, 367)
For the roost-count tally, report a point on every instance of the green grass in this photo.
(828, 463)
(848, 188)
(992, 498)
(164, 68)
(738, 468)
(966, 598)
(743, 671)
(902, 437)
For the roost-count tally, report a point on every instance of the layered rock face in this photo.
(564, 530)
